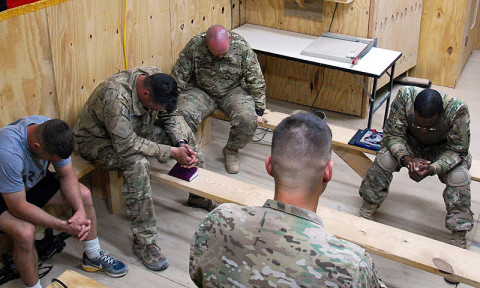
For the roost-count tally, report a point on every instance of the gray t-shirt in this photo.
(19, 169)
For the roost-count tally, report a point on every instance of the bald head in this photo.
(301, 152)
(218, 40)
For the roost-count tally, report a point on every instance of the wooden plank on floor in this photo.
(73, 279)
(392, 243)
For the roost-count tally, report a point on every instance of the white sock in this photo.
(36, 285)
(92, 248)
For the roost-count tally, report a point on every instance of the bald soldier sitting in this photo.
(218, 69)
(283, 242)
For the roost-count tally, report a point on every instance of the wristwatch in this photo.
(402, 160)
(180, 142)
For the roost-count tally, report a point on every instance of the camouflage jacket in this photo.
(114, 116)
(452, 131)
(277, 245)
(218, 76)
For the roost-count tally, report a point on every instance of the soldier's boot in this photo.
(368, 210)
(459, 239)
(201, 202)
(150, 256)
(232, 164)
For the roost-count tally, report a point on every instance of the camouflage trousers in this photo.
(136, 181)
(456, 196)
(195, 105)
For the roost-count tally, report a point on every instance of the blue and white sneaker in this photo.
(105, 263)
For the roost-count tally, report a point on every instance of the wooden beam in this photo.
(392, 243)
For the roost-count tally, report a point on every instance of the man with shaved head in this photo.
(218, 69)
(429, 134)
(282, 243)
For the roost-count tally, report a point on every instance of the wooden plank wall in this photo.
(470, 32)
(442, 41)
(53, 58)
(396, 24)
(26, 78)
(194, 16)
(300, 83)
(477, 40)
(86, 42)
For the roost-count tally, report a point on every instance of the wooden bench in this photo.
(392, 243)
(355, 156)
(105, 184)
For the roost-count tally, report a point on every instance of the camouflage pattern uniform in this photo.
(277, 245)
(446, 147)
(233, 83)
(116, 130)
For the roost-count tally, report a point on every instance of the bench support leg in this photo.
(108, 185)
(357, 160)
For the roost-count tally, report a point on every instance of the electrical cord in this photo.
(263, 132)
(333, 16)
(312, 109)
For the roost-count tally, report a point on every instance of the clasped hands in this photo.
(418, 168)
(78, 226)
(184, 155)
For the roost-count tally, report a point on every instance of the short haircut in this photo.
(163, 90)
(56, 138)
(301, 137)
(428, 103)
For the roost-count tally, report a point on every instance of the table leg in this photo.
(390, 87)
(372, 100)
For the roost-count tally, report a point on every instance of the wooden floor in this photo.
(415, 207)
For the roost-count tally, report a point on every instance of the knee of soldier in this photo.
(245, 120)
(137, 165)
(386, 160)
(458, 176)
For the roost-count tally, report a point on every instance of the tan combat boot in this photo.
(150, 256)
(368, 210)
(232, 164)
(458, 239)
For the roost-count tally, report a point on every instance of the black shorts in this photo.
(40, 194)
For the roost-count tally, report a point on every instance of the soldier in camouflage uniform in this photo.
(283, 243)
(218, 69)
(128, 118)
(430, 134)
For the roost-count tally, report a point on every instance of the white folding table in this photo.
(289, 45)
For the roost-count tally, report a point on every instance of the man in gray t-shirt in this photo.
(27, 147)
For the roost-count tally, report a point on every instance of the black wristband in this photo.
(259, 112)
(402, 160)
(180, 142)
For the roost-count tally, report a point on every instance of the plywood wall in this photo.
(396, 24)
(296, 82)
(26, 75)
(470, 34)
(477, 20)
(86, 41)
(441, 41)
(52, 59)
(190, 17)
